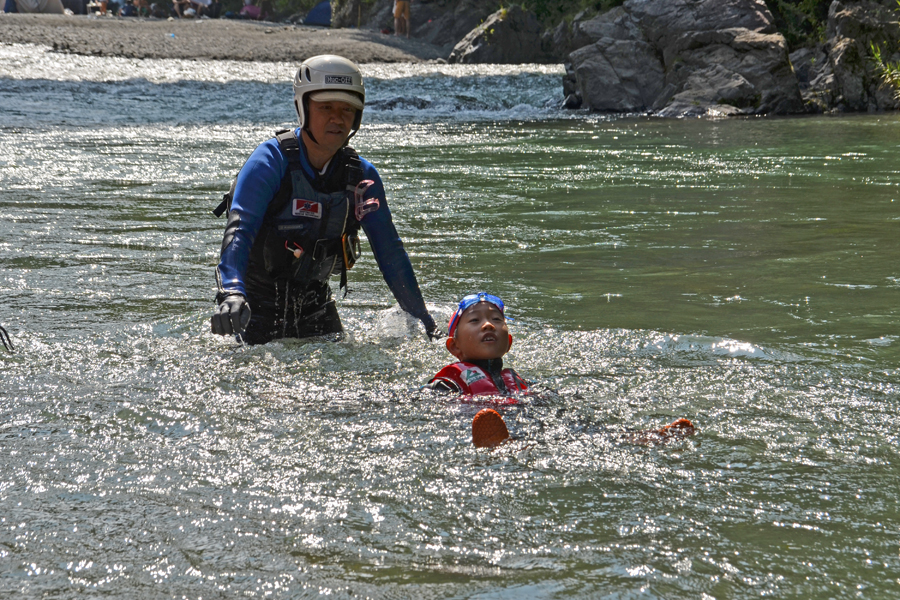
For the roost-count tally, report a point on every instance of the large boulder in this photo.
(510, 35)
(815, 77)
(683, 57)
(714, 91)
(580, 32)
(617, 76)
(741, 69)
(665, 21)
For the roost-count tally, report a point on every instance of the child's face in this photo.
(481, 334)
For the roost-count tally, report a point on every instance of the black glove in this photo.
(232, 315)
(431, 329)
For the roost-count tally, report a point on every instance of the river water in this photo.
(742, 273)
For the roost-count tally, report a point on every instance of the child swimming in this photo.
(478, 336)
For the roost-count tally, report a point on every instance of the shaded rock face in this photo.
(510, 35)
(442, 27)
(618, 75)
(442, 23)
(345, 13)
(852, 83)
(815, 77)
(715, 71)
(565, 38)
(681, 58)
(663, 22)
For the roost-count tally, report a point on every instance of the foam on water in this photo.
(104, 90)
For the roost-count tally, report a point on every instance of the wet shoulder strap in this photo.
(352, 176)
(290, 147)
(225, 205)
(354, 168)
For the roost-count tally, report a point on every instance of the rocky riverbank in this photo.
(725, 57)
(215, 39)
(677, 58)
(663, 57)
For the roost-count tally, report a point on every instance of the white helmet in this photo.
(329, 73)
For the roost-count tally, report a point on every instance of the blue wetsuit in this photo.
(284, 307)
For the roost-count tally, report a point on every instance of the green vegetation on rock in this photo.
(887, 71)
(801, 22)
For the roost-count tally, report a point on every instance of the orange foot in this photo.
(488, 429)
(679, 428)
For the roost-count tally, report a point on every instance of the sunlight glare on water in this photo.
(739, 273)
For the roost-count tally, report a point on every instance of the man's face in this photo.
(481, 334)
(330, 123)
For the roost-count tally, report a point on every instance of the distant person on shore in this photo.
(128, 9)
(180, 6)
(200, 7)
(479, 337)
(295, 211)
(401, 17)
(250, 11)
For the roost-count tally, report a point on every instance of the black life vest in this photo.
(307, 234)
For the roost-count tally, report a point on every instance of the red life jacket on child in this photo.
(472, 380)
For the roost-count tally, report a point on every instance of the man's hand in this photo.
(232, 315)
(431, 329)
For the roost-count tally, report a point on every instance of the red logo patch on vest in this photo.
(306, 208)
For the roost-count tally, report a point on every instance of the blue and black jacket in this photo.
(261, 180)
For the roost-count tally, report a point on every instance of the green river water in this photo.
(742, 273)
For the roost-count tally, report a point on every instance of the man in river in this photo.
(294, 215)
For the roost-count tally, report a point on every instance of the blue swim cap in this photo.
(469, 301)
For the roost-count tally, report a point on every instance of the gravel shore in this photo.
(216, 39)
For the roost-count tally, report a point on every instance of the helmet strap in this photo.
(306, 128)
(310, 134)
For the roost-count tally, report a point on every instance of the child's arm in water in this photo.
(442, 385)
(676, 430)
